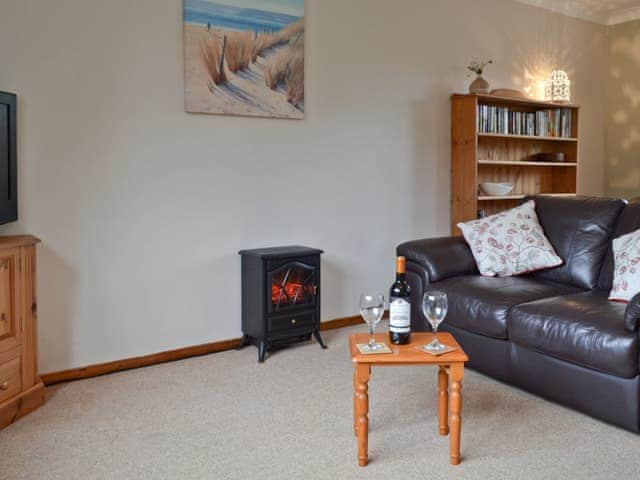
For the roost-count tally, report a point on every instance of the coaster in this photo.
(436, 354)
(385, 349)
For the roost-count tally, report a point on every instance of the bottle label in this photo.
(400, 316)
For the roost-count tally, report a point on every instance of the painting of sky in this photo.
(294, 8)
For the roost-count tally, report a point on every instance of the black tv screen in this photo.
(8, 158)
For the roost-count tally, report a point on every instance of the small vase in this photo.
(479, 85)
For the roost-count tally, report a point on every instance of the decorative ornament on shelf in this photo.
(479, 85)
(557, 88)
(507, 92)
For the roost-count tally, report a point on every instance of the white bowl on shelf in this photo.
(496, 189)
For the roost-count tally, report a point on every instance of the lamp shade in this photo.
(558, 87)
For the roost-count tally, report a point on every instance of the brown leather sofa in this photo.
(553, 332)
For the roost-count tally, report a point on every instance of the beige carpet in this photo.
(226, 417)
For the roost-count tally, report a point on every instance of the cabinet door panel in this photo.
(10, 379)
(10, 324)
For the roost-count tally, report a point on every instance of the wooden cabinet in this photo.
(10, 325)
(21, 389)
(479, 156)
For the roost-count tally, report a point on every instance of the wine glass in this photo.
(372, 309)
(435, 306)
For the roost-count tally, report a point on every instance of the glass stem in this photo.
(435, 335)
(372, 340)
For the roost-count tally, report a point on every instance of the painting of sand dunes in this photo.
(244, 57)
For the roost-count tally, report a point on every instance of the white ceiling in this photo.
(607, 12)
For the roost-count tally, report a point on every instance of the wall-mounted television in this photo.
(8, 158)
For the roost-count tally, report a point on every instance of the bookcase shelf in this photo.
(519, 196)
(529, 137)
(518, 163)
(478, 157)
(485, 99)
(487, 198)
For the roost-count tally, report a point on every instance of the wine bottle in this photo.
(400, 306)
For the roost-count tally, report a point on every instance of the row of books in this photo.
(543, 123)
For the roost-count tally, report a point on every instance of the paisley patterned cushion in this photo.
(626, 273)
(510, 243)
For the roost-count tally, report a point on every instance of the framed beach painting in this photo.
(244, 57)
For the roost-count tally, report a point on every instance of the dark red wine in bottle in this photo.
(400, 306)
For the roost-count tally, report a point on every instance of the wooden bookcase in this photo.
(491, 157)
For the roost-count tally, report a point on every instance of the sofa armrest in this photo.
(632, 314)
(442, 257)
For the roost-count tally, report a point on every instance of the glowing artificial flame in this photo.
(291, 293)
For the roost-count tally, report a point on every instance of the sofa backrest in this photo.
(628, 222)
(580, 230)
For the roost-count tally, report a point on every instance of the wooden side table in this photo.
(450, 372)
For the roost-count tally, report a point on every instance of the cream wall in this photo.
(623, 126)
(142, 208)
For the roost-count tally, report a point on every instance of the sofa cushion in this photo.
(628, 221)
(510, 242)
(584, 328)
(481, 304)
(626, 260)
(580, 230)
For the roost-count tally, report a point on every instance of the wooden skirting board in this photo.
(169, 356)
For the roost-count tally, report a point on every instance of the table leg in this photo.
(443, 401)
(455, 416)
(363, 371)
(355, 400)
